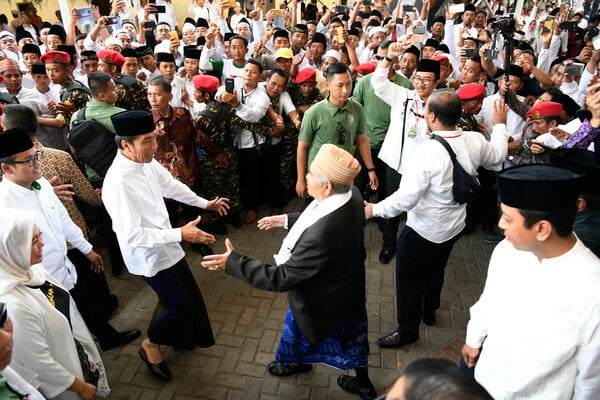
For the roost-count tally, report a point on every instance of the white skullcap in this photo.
(112, 40)
(333, 53)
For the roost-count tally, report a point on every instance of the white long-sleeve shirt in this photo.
(539, 323)
(514, 122)
(425, 190)
(54, 223)
(397, 147)
(253, 107)
(133, 194)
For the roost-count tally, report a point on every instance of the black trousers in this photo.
(487, 200)
(420, 266)
(362, 180)
(390, 226)
(271, 174)
(180, 318)
(249, 166)
(91, 296)
(110, 240)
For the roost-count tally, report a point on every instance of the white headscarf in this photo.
(16, 231)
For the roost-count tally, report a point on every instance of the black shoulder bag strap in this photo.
(446, 146)
(81, 115)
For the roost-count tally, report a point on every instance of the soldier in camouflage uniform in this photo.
(131, 92)
(304, 94)
(471, 96)
(220, 175)
(72, 95)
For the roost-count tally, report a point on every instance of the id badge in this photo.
(412, 132)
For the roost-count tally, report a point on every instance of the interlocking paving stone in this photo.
(247, 324)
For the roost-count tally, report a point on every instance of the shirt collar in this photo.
(448, 134)
(127, 163)
(334, 109)
(157, 117)
(19, 190)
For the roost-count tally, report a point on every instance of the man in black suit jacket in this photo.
(321, 264)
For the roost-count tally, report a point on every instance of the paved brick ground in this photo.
(247, 322)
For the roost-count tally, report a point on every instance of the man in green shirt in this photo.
(101, 109)
(337, 120)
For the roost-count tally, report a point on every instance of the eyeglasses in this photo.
(38, 156)
(378, 58)
(342, 134)
(426, 81)
(3, 315)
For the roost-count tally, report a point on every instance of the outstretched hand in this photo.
(218, 204)
(266, 223)
(368, 210)
(191, 233)
(218, 261)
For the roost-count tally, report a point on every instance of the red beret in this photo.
(307, 75)
(366, 68)
(440, 59)
(111, 57)
(56, 57)
(545, 109)
(471, 91)
(207, 83)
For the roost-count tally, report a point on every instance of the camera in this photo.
(341, 9)
(111, 20)
(505, 25)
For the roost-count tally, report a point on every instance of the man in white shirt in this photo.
(488, 196)
(23, 187)
(251, 103)
(538, 318)
(407, 126)
(434, 217)
(133, 192)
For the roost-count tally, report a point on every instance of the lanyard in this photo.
(416, 114)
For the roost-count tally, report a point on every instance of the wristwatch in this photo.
(390, 60)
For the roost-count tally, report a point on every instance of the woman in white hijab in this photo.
(53, 349)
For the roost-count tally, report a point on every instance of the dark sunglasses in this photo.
(3, 315)
(342, 134)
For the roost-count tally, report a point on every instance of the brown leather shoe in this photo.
(251, 217)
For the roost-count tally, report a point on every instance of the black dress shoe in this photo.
(282, 369)
(428, 318)
(396, 339)
(119, 339)
(385, 255)
(203, 249)
(348, 383)
(160, 370)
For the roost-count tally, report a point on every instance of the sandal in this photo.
(348, 383)
(280, 369)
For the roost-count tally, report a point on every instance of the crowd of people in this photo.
(132, 128)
